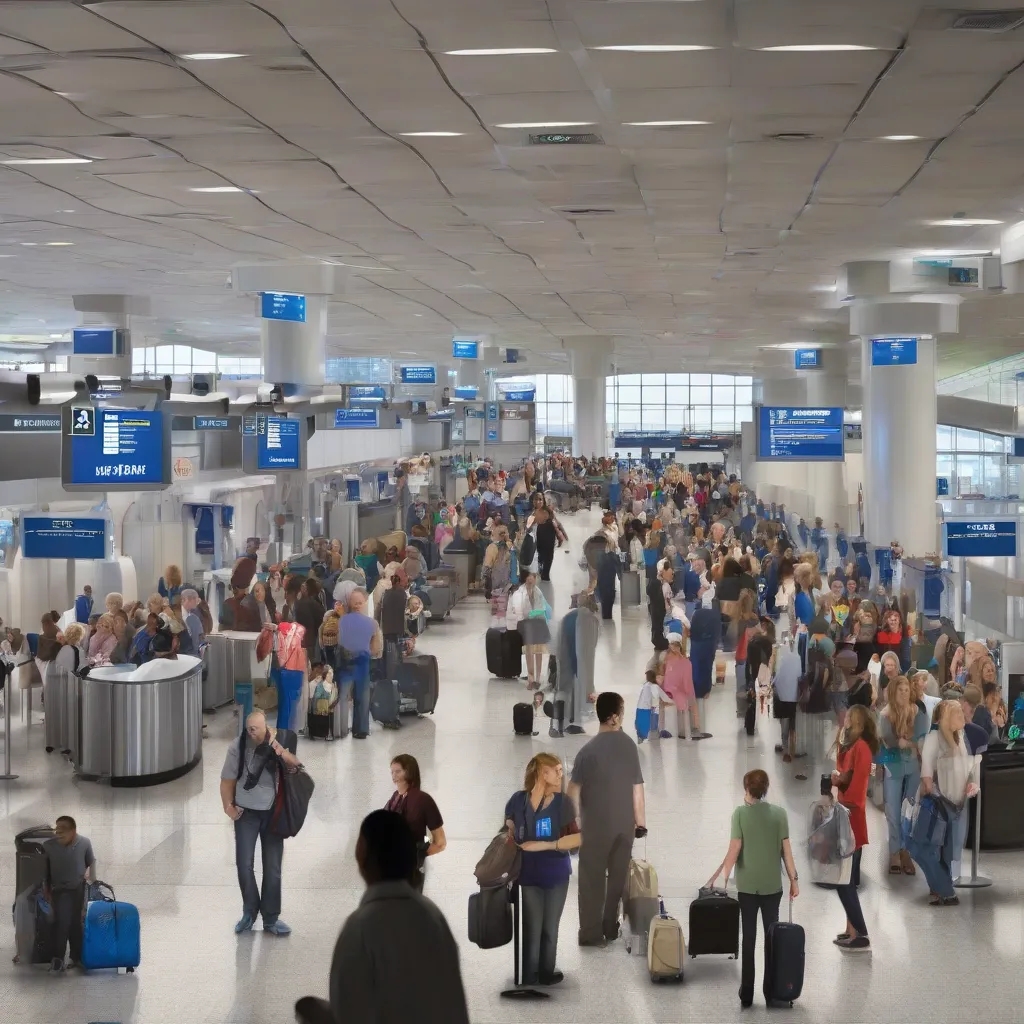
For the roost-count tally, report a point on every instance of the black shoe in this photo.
(554, 978)
(778, 748)
(575, 730)
(745, 1003)
(594, 943)
(612, 936)
(359, 735)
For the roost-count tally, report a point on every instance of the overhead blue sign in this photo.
(807, 358)
(348, 419)
(116, 446)
(212, 423)
(524, 395)
(893, 351)
(57, 537)
(249, 426)
(800, 434)
(465, 349)
(419, 374)
(467, 392)
(367, 393)
(283, 306)
(981, 538)
(645, 440)
(96, 341)
(278, 443)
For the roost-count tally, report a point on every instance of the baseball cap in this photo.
(674, 638)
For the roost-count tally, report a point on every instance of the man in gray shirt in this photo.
(608, 787)
(254, 760)
(69, 862)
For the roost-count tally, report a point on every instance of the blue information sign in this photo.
(474, 414)
(807, 358)
(467, 392)
(981, 538)
(212, 423)
(492, 410)
(55, 537)
(367, 393)
(465, 349)
(348, 419)
(278, 443)
(116, 446)
(893, 351)
(523, 395)
(800, 434)
(419, 374)
(95, 341)
(941, 486)
(492, 433)
(283, 306)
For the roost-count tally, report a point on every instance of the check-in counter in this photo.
(140, 726)
(377, 518)
(230, 659)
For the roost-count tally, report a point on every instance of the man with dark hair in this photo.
(608, 787)
(69, 862)
(396, 959)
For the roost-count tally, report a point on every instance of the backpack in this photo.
(815, 685)
(527, 550)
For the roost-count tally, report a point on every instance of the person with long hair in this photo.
(890, 672)
(903, 726)
(857, 748)
(541, 820)
(418, 809)
(529, 612)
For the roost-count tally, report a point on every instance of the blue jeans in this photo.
(897, 788)
(542, 912)
(958, 829)
(356, 684)
(934, 860)
(253, 825)
(289, 698)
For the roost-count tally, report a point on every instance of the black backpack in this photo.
(527, 552)
(815, 685)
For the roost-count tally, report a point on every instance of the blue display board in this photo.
(212, 423)
(1018, 447)
(278, 443)
(981, 538)
(367, 393)
(283, 306)
(419, 374)
(492, 411)
(492, 433)
(205, 539)
(474, 414)
(62, 537)
(467, 392)
(348, 419)
(941, 486)
(893, 351)
(799, 434)
(465, 349)
(96, 341)
(122, 449)
(522, 395)
(807, 358)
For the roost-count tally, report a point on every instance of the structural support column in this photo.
(108, 311)
(784, 482)
(826, 481)
(591, 364)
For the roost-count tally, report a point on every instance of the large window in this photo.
(556, 410)
(679, 402)
(974, 462)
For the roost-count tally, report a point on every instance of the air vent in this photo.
(989, 21)
(795, 137)
(578, 139)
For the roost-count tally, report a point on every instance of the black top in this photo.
(309, 613)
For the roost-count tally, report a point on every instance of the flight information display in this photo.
(799, 434)
(118, 449)
(97, 341)
(60, 537)
(283, 306)
(278, 444)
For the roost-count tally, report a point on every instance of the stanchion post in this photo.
(7, 731)
(976, 881)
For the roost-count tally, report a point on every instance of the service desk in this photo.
(140, 726)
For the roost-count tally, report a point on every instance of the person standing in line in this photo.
(608, 788)
(419, 811)
(83, 605)
(758, 846)
(69, 864)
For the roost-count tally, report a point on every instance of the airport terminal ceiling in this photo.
(733, 166)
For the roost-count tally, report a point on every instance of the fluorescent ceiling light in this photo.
(792, 346)
(826, 287)
(546, 124)
(964, 222)
(654, 48)
(815, 48)
(60, 243)
(218, 188)
(43, 161)
(56, 337)
(431, 135)
(28, 243)
(899, 138)
(662, 124)
(501, 51)
(211, 56)
(940, 254)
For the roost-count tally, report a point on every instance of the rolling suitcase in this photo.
(385, 702)
(418, 678)
(33, 927)
(504, 653)
(784, 960)
(714, 924)
(641, 904)
(522, 719)
(442, 598)
(750, 717)
(631, 590)
(29, 857)
(319, 727)
(112, 936)
(666, 947)
(490, 918)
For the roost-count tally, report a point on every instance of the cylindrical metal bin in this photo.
(140, 726)
(230, 658)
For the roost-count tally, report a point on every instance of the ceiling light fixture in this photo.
(964, 222)
(44, 161)
(218, 188)
(663, 124)
(815, 48)
(212, 56)
(501, 51)
(60, 243)
(899, 138)
(942, 254)
(56, 337)
(654, 48)
(431, 135)
(28, 243)
(545, 124)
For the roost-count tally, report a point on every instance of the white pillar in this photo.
(783, 482)
(108, 311)
(826, 388)
(591, 364)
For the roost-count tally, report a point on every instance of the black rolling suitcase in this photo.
(522, 719)
(418, 679)
(490, 918)
(504, 653)
(750, 716)
(30, 858)
(714, 924)
(784, 960)
(319, 727)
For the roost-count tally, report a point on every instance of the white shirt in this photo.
(950, 769)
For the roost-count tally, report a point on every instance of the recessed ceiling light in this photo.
(65, 211)
(211, 56)
(502, 51)
(940, 254)
(815, 48)
(60, 243)
(662, 124)
(900, 138)
(29, 243)
(654, 48)
(219, 188)
(431, 135)
(546, 124)
(964, 222)
(42, 161)
(56, 336)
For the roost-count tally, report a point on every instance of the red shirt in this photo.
(855, 798)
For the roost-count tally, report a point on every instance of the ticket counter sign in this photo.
(981, 538)
(63, 537)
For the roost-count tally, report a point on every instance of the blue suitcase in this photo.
(112, 936)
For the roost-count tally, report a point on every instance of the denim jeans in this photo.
(542, 912)
(850, 900)
(253, 825)
(289, 694)
(750, 904)
(958, 822)
(934, 861)
(896, 788)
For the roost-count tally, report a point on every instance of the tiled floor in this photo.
(169, 850)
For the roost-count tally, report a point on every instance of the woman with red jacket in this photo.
(891, 636)
(857, 749)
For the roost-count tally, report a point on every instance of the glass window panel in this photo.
(629, 417)
(992, 476)
(744, 414)
(678, 394)
(556, 387)
(701, 417)
(677, 379)
(629, 394)
(677, 417)
(164, 359)
(139, 360)
(653, 379)
(700, 378)
(1013, 480)
(993, 443)
(569, 387)
(722, 395)
(721, 378)
(542, 388)
(748, 381)
(654, 418)
(700, 395)
(203, 361)
(722, 417)
(944, 467)
(968, 440)
(744, 394)
(629, 378)
(609, 390)
(968, 471)
(570, 414)
(653, 395)
(944, 439)
(250, 366)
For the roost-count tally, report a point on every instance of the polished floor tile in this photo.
(170, 851)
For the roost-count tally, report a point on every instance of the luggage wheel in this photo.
(131, 970)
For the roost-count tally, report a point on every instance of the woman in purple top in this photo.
(359, 640)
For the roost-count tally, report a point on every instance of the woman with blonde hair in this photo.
(902, 728)
(103, 641)
(169, 585)
(541, 820)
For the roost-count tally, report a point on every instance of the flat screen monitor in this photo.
(807, 358)
(283, 306)
(115, 449)
(893, 351)
(63, 537)
(799, 434)
(419, 374)
(466, 349)
(981, 538)
(354, 419)
(97, 341)
(278, 444)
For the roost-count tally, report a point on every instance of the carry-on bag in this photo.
(522, 719)
(640, 903)
(504, 653)
(631, 590)
(419, 679)
(33, 927)
(490, 918)
(30, 857)
(666, 947)
(384, 702)
(112, 935)
(319, 727)
(714, 924)
(784, 960)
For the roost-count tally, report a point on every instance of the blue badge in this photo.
(543, 828)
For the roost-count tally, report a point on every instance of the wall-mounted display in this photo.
(283, 306)
(115, 449)
(799, 434)
(63, 537)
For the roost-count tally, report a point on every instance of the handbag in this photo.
(501, 862)
(927, 820)
(294, 791)
(265, 642)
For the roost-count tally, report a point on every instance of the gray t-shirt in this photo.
(261, 796)
(66, 865)
(606, 770)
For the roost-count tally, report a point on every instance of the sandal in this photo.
(895, 867)
(907, 863)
